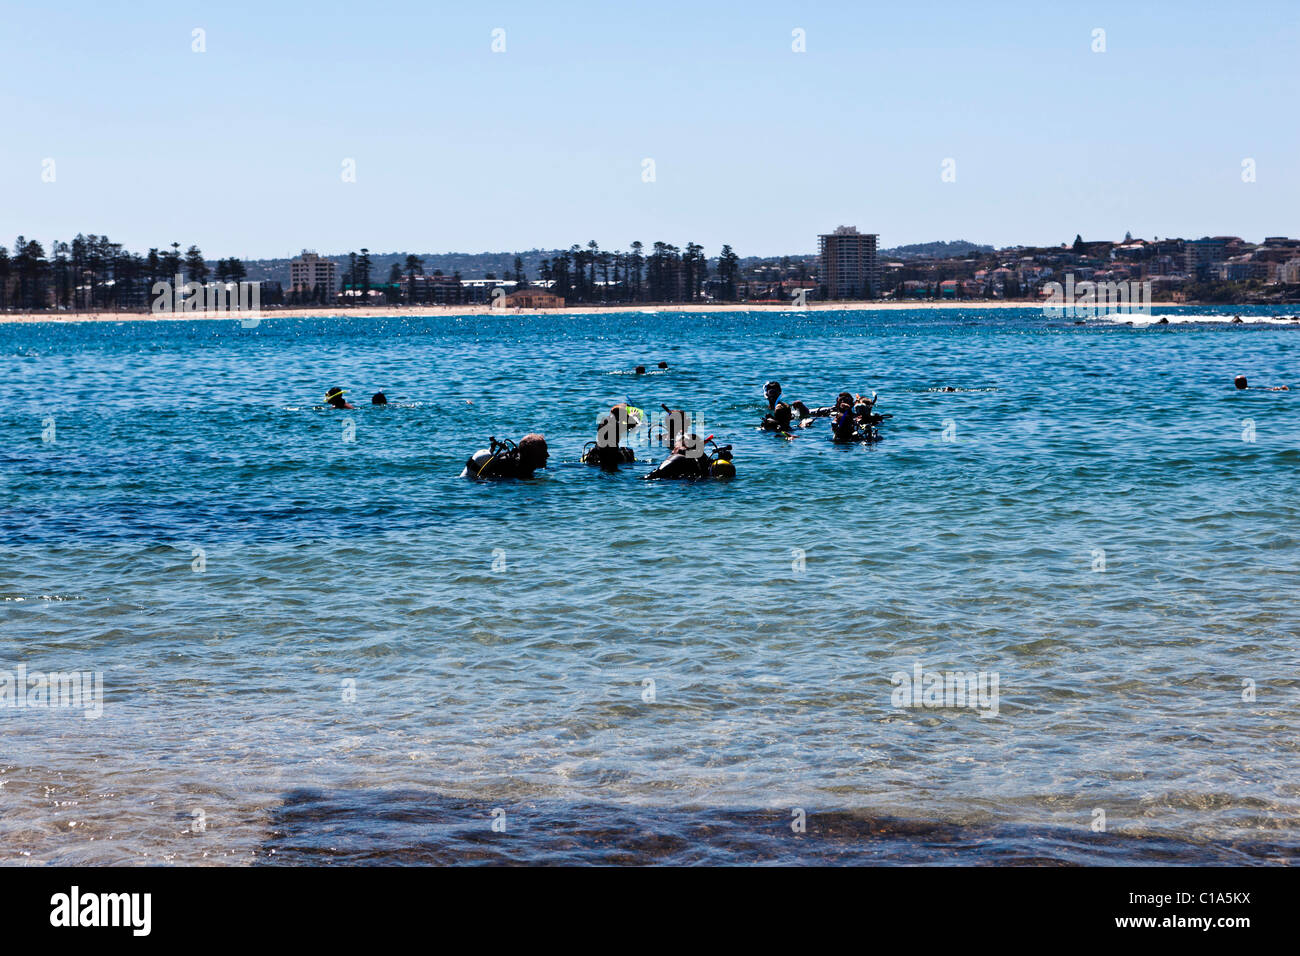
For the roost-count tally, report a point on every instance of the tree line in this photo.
(590, 274)
(93, 272)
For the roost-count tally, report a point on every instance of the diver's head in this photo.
(799, 408)
(379, 398)
(627, 414)
(674, 425)
(861, 410)
(640, 369)
(689, 445)
(663, 364)
(844, 398)
(1239, 381)
(772, 391)
(532, 451)
(781, 413)
(610, 431)
(334, 397)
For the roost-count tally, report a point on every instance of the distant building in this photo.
(432, 290)
(1201, 256)
(531, 298)
(309, 271)
(849, 266)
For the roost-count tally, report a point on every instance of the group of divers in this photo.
(853, 419)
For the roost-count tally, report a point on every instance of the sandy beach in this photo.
(395, 311)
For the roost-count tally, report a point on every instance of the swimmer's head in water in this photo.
(640, 369)
(843, 398)
(663, 364)
(1240, 381)
(532, 451)
(799, 408)
(781, 413)
(379, 398)
(335, 397)
(771, 390)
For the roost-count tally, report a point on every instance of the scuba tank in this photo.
(715, 463)
(718, 463)
(499, 458)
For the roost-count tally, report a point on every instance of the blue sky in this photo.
(240, 148)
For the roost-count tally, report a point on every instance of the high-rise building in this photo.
(1201, 256)
(849, 266)
(309, 271)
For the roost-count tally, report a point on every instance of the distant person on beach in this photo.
(1241, 383)
(334, 398)
(772, 391)
(508, 460)
(379, 398)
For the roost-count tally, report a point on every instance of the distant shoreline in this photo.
(399, 311)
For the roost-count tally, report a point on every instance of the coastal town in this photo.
(91, 273)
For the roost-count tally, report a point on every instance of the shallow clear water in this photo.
(970, 539)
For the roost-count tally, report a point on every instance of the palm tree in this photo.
(414, 267)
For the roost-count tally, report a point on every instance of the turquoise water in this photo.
(1084, 519)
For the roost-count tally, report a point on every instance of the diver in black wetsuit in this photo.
(778, 420)
(772, 391)
(607, 450)
(856, 423)
(508, 460)
(689, 460)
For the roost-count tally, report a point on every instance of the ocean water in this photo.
(316, 649)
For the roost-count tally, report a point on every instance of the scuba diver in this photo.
(505, 459)
(379, 398)
(778, 420)
(334, 398)
(630, 415)
(607, 450)
(676, 424)
(771, 392)
(855, 422)
(690, 459)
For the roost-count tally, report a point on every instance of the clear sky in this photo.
(240, 149)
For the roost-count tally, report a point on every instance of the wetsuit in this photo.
(681, 465)
(483, 464)
(609, 456)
